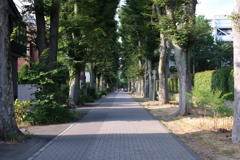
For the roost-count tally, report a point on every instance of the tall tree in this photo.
(178, 26)
(8, 126)
(165, 50)
(49, 46)
(138, 37)
(236, 42)
(89, 39)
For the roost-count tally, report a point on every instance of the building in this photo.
(222, 28)
(31, 52)
(18, 41)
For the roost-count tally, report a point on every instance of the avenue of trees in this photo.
(72, 35)
(151, 31)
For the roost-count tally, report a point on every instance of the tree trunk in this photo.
(8, 126)
(134, 87)
(101, 87)
(98, 83)
(54, 23)
(41, 26)
(92, 76)
(163, 70)
(183, 67)
(150, 80)
(146, 80)
(236, 44)
(74, 89)
(129, 87)
(182, 56)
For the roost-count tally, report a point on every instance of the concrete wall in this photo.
(25, 91)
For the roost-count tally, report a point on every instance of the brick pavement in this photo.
(117, 129)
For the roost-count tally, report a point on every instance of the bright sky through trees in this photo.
(209, 8)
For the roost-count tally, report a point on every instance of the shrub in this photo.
(49, 112)
(86, 99)
(22, 110)
(209, 100)
(50, 105)
(220, 80)
(228, 96)
(107, 90)
(91, 92)
(101, 93)
(203, 81)
(23, 74)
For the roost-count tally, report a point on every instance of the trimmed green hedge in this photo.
(203, 80)
(217, 80)
(173, 85)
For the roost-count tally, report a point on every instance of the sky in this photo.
(209, 8)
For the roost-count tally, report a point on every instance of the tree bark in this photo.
(150, 80)
(92, 76)
(183, 67)
(129, 87)
(41, 26)
(8, 126)
(163, 70)
(182, 56)
(236, 44)
(101, 85)
(146, 80)
(74, 89)
(54, 24)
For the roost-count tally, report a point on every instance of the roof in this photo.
(13, 10)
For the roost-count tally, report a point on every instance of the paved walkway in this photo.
(117, 129)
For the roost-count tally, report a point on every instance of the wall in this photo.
(25, 91)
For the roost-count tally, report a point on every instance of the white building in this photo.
(222, 28)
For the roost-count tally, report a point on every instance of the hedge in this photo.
(173, 85)
(221, 80)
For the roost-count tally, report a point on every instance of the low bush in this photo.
(86, 99)
(101, 93)
(22, 110)
(49, 113)
(211, 101)
(91, 92)
(228, 96)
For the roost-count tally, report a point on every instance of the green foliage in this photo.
(139, 38)
(22, 110)
(208, 54)
(23, 75)
(101, 93)
(230, 82)
(173, 85)
(91, 92)
(228, 96)
(89, 36)
(220, 80)
(49, 112)
(178, 25)
(86, 99)
(201, 98)
(50, 105)
(107, 90)
(203, 80)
